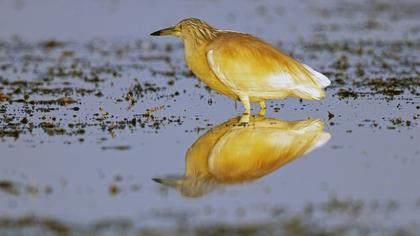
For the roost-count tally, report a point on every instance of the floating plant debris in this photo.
(8, 187)
(3, 97)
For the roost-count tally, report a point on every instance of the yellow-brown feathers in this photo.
(244, 67)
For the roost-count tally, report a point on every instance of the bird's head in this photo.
(189, 29)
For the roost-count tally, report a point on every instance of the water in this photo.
(75, 165)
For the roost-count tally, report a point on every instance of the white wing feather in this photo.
(320, 78)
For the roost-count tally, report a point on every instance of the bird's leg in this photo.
(245, 101)
(262, 109)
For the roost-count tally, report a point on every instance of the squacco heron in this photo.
(231, 154)
(244, 67)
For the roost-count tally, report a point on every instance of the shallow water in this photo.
(87, 124)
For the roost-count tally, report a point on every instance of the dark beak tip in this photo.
(156, 33)
(157, 180)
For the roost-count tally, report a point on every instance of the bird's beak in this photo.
(170, 182)
(166, 31)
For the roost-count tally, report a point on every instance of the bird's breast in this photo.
(197, 61)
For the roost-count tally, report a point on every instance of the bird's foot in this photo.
(244, 121)
(262, 109)
(262, 112)
(243, 124)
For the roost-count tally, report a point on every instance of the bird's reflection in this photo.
(232, 153)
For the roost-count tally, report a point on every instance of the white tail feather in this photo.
(322, 139)
(320, 78)
(307, 92)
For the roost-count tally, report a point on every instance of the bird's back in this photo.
(248, 64)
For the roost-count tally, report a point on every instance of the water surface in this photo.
(94, 111)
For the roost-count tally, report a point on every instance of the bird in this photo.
(244, 67)
(231, 154)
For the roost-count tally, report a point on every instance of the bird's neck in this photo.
(196, 43)
(194, 54)
(200, 37)
(192, 47)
